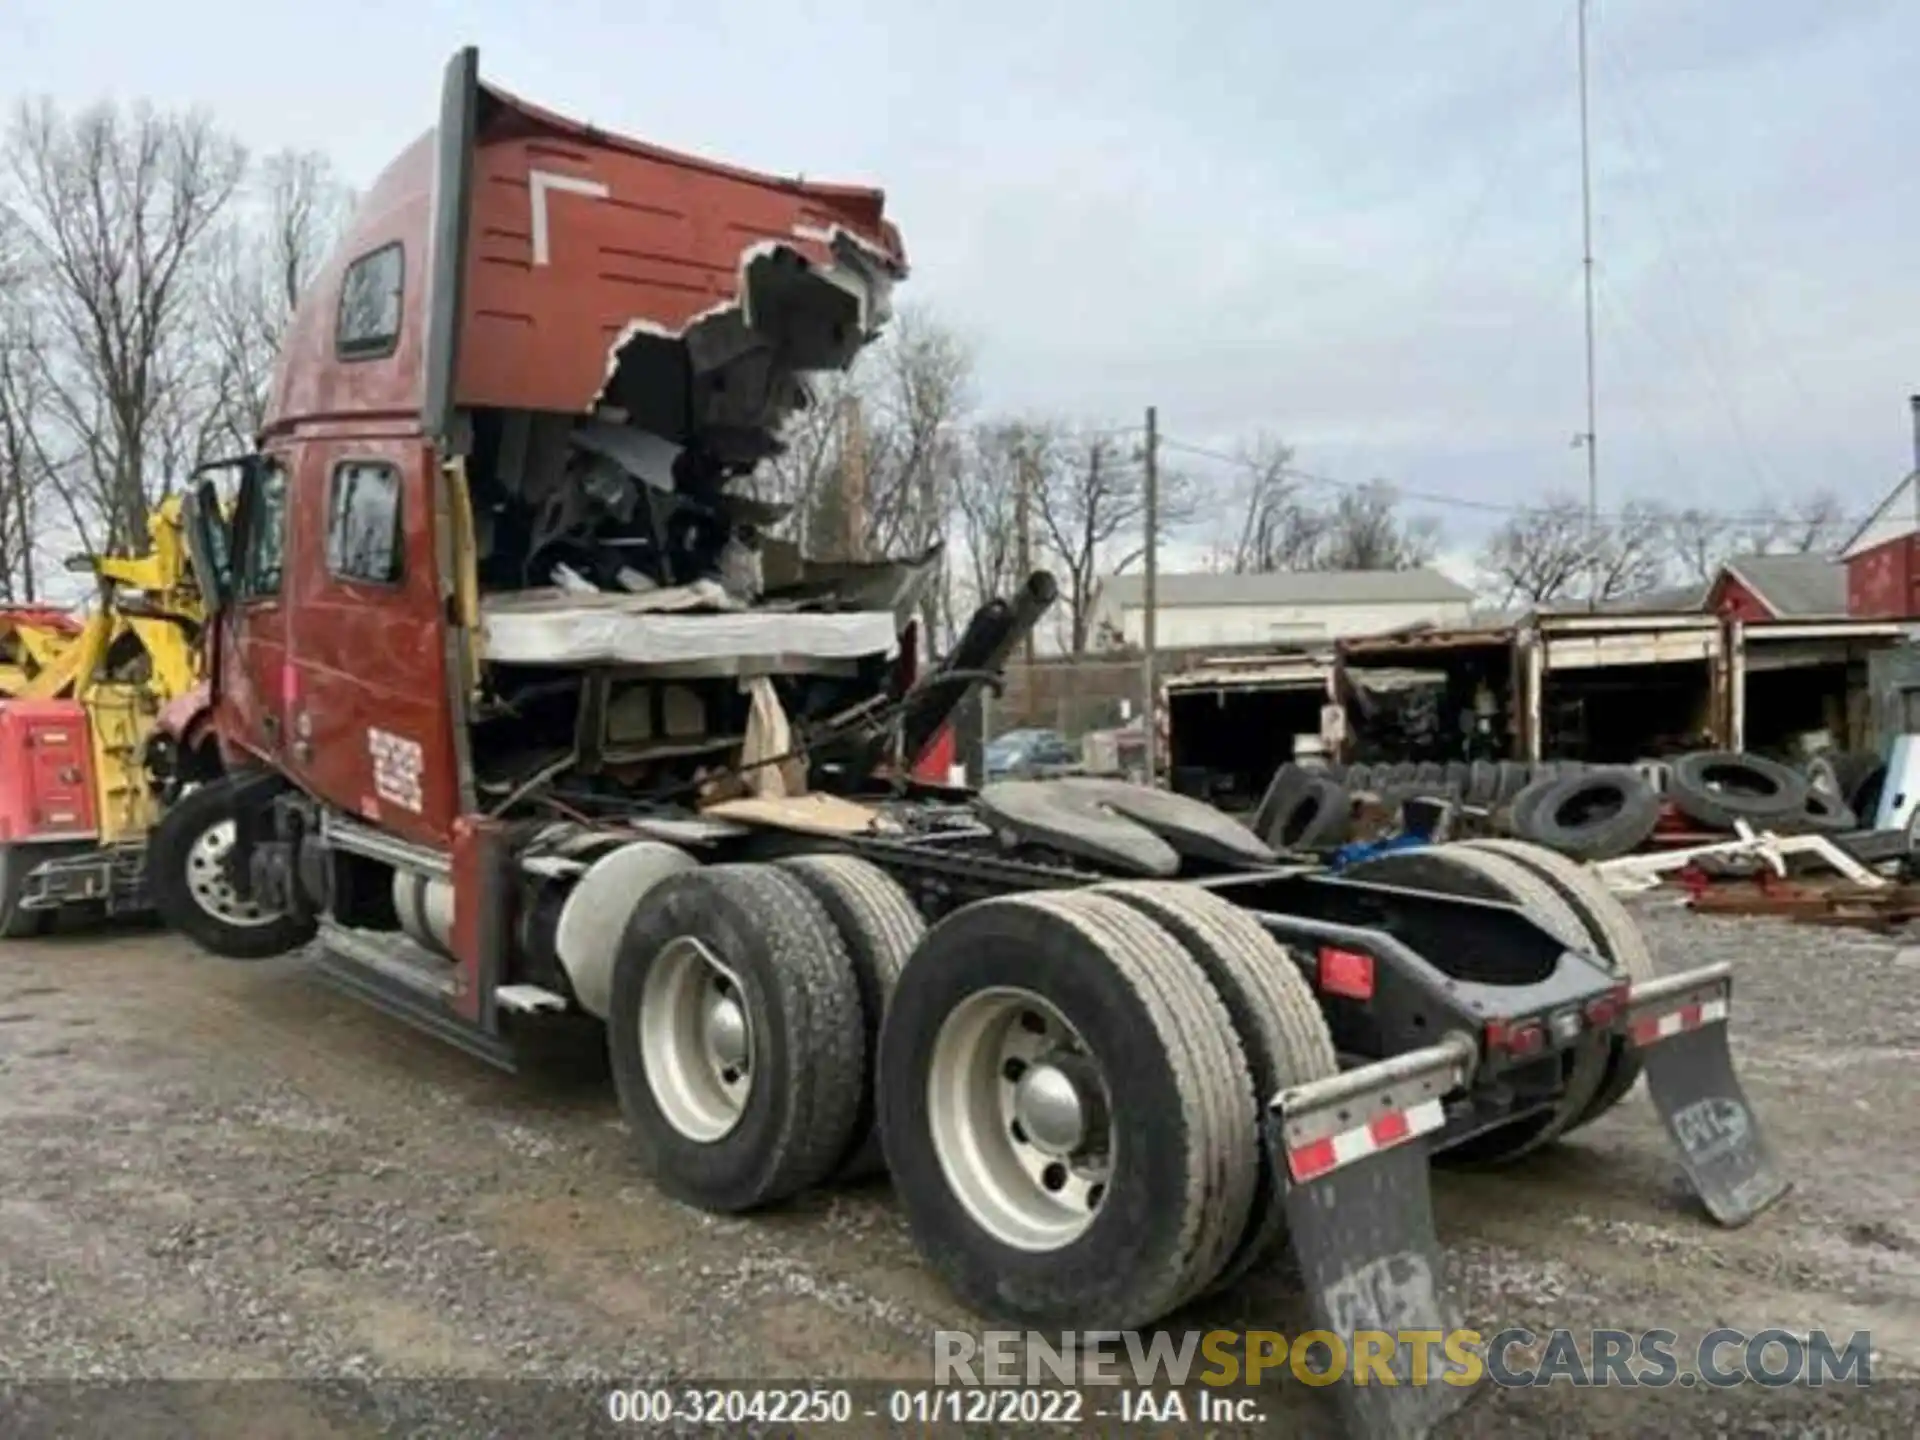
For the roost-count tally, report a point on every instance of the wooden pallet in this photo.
(1839, 902)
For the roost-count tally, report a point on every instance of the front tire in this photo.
(189, 883)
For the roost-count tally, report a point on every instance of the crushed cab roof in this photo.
(536, 248)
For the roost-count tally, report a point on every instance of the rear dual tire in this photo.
(1178, 1018)
(1070, 1084)
(1163, 1156)
(1470, 871)
(880, 929)
(1276, 1019)
(736, 1039)
(1616, 938)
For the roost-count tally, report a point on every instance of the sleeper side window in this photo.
(369, 323)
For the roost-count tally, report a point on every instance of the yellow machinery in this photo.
(78, 700)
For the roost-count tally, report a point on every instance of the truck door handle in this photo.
(271, 724)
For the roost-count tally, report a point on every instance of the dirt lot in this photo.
(213, 1170)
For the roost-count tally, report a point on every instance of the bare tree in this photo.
(263, 260)
(117, 210)
(1268, 524)
(986, 505)
(870, 462)
(25, 475)
(1810, 525)
(1699, 541)
(1090, 496)
(918, 392)
(1091, 503)
(1550, 553)
(1364, 530)
(806, 472)
(1632, 558)
(1539, 555)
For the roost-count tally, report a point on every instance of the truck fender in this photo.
(595, 915)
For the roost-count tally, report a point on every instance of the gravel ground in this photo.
(218, 1172)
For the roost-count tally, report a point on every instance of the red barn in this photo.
(1883, 557)
(1758, 588)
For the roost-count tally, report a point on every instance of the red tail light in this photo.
(1518, 1038)
(1347, 973)
(1603, 1012)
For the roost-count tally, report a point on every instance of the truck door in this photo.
(368, 707)
(254, 669)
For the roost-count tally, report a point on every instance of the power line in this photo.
(1613, 55)
(1459, 502)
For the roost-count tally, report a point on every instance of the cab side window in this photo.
(365, 537)
(263, 538)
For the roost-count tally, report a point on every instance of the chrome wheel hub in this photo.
(209, 884)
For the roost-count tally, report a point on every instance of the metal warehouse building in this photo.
(1280, 609)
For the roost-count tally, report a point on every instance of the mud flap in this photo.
(1360, 1211)
(1679, 1026)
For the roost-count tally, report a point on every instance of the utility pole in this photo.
(1150, 715)
(1592, 436)
(854, 497)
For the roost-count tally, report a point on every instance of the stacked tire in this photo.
(1307, 809)
(1587, 815)
(1853, 777)
(1582, 812)
(1719, 790)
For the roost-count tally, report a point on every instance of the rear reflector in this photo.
(1346, 973)
(1320, 1157)
(1652, 1029)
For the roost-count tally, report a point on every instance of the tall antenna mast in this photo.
(1591, 438)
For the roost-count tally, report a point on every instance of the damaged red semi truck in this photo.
(527, 720)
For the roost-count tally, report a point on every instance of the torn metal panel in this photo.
(1368, 649)
(542, 258)
(596, 255)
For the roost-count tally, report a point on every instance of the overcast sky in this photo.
(1355, 225)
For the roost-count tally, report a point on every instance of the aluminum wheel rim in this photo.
(1029, 1165)
(696, 1040)
(209, 884)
